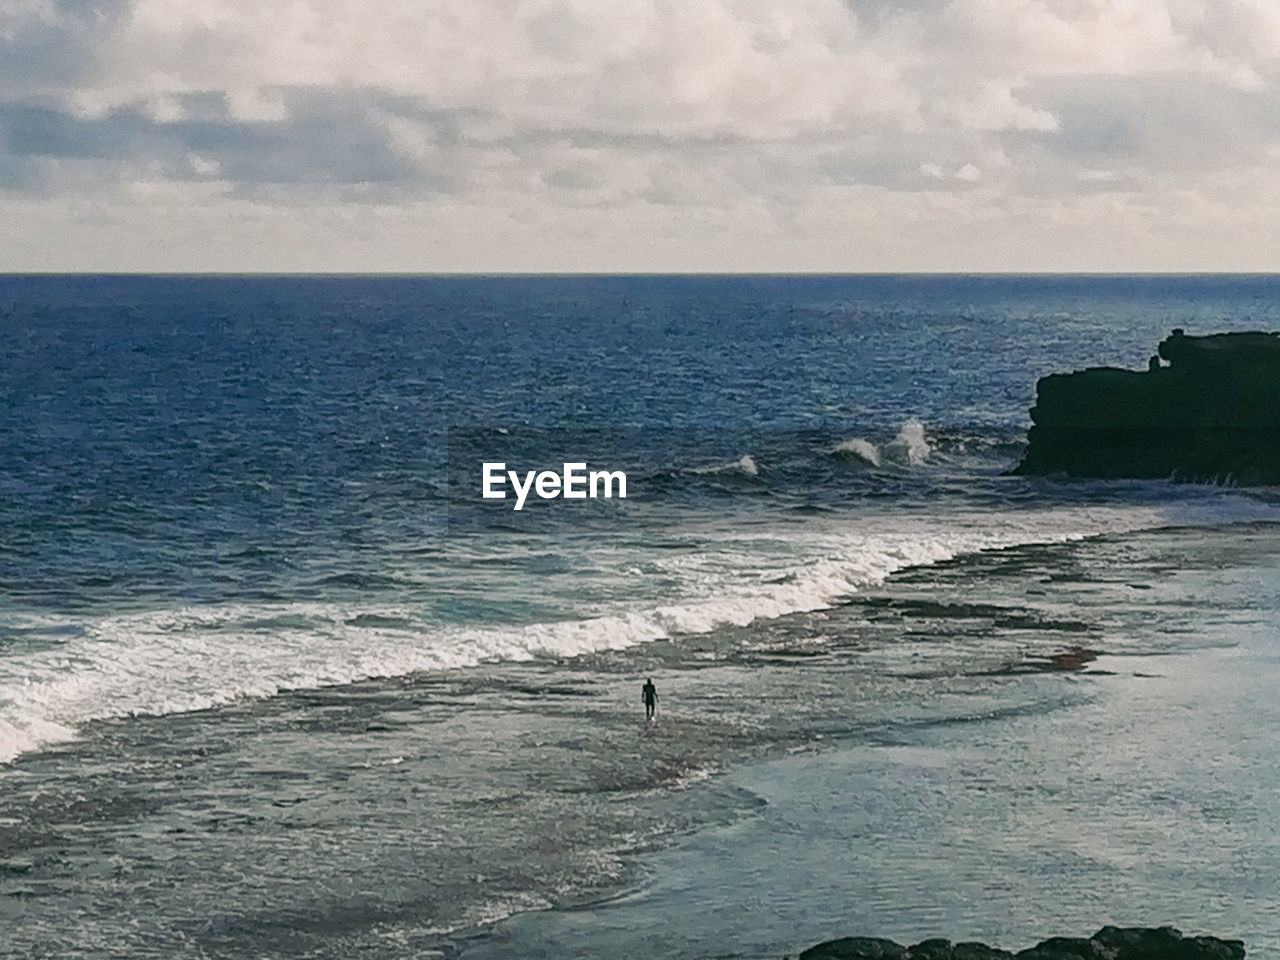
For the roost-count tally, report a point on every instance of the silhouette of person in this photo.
(649, 694)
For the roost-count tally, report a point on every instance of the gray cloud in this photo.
(53, 45)
(1164, 121)
(338, 137)
(779, 120)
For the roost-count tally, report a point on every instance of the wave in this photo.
(744, 465)
(193, 658)
(860, 449)
(801, 461)
(909, 448)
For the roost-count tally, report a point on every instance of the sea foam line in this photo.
(194, 658)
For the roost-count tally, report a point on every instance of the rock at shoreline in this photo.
(1109, 943)
(1207, 408)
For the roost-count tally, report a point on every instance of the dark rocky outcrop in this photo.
(1109, 943)
(861, 948)
(1207, 408)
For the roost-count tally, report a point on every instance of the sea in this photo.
(278, 681)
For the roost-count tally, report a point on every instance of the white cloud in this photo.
(666, 119)
(203, 167)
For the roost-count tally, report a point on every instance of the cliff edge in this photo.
(1206, 408)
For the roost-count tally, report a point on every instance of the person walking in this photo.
(649, 694)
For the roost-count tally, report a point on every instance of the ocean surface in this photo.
(276, 681)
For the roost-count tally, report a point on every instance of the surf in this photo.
(201, 657)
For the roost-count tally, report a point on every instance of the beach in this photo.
(276, 680)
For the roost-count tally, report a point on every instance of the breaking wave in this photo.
(858, 448)
(743, 465)
(910, 448)
(193, 658)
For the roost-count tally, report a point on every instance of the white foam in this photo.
(909, 446)
(744, 465)
(193, 658)
(862, 449)
(693, 776)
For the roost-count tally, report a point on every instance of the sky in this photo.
(639, 135)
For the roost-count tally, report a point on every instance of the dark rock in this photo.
(972, 950)
(937, 949)
(946, 950)
(856, 948)
(1068, 948)
(1140, 943)
(1211, 948)
(1167, 943)
(1109, 943)
(1210, 411)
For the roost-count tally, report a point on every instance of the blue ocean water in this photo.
(227, 502)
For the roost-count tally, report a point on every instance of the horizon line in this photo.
(602, 274)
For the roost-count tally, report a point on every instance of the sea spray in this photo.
(910, 446)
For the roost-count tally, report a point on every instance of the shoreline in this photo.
(745, 915)
(900, 691)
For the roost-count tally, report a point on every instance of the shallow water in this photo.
(1141, 792)
(275, 681)
(903, 765)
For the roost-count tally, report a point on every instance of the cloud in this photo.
(660, 114)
